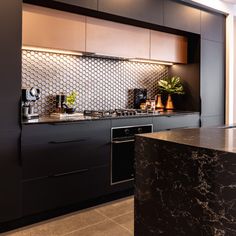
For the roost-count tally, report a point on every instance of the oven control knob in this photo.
(127, 131)
(140, 130)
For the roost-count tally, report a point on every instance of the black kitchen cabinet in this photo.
(64, 163)
(59, 191)
(144, 10)
(212, 26)
(212, 79)
(90, 4)
(174, 122)
(52, 149)
(182, 17)
(10, 175)
(10, 88)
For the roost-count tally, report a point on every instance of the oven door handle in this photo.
(124, 141)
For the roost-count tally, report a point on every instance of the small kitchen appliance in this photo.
(60, 103)
(29, 97)
(140, 96)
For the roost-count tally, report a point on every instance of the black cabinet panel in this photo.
(131, 122)
(51, 149)
(10, 63)
(173, 122)
(143, 10)
(212, 78)
(10, 174)
(60, 191)
(10, 115)
(179, 16)
(10, 89)
(212, 26)
(90, 4)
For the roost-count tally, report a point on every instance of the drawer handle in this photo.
(67, 141)
(69, 173)
(124, 141)
(68, 122)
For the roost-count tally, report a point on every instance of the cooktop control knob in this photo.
(140, 130)
(127, 131)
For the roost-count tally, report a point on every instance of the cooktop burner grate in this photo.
(117, 112)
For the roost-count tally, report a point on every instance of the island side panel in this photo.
(183, 190)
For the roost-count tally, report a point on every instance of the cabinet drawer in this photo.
(47, 149)
(122, 122)
(63, 132)
(173, 122)
(60, 191)
(46, 160)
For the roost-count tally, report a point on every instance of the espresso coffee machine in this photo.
(29, 96)
(140, 96)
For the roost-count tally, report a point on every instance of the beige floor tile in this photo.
(63, 225)
(107, 228)
(126, 221)
(118, 208)
(96, 218)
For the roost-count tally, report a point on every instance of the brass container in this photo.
(159, 104)
(169, 104)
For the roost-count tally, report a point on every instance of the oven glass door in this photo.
(122, 160)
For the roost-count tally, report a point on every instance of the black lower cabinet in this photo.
(10, 176)
(174, 122)
(64, 164)
(62, 190)
(53, 149)
(69, 164)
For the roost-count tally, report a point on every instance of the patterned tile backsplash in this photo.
(100, 83)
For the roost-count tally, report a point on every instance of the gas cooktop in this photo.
(118, 112)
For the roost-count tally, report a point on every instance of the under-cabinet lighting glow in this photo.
(58, 51)
(151, 61)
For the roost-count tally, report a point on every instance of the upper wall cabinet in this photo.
(90, 4)
(179, 16)
(212, 26)
(168, 47)
(43, 27)
(144, 10)
(115, 39)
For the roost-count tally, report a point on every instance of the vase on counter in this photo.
(169, 103)
(159, 104)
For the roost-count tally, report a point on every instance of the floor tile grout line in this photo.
(121, 226)
(85, 227)
(117, 223)
(121, 215)
(97, 210)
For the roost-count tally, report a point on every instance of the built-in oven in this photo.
(122, 151)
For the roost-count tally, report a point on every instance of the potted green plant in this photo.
(169, 86)
(70, 102)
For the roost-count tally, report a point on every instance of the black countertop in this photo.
(79, 118)
(215, 138)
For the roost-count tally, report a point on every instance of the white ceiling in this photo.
(229, 1)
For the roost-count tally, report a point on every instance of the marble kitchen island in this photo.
(185, 182)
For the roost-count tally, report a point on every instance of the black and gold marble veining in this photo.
(184, 190)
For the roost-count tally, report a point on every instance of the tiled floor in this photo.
(111, 219)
